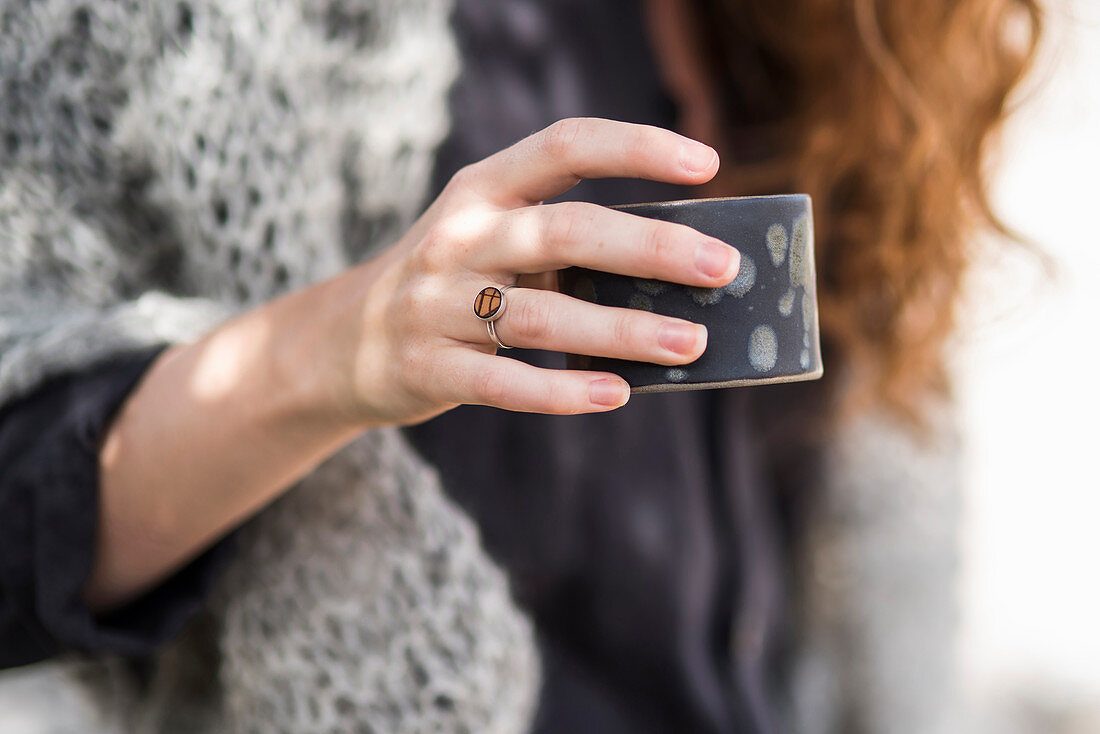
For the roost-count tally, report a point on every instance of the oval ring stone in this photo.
(489, 303)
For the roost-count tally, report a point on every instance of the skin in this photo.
(218, 428)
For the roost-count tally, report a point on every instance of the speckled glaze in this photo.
(762, 327)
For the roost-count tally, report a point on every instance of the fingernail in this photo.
(697, 158)
(678, 337)
(608, 392)
(714, 258)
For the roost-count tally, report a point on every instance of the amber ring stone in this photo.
(489, 303)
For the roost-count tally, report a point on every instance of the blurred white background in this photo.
(1031, 394)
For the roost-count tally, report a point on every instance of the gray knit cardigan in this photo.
(165, 164)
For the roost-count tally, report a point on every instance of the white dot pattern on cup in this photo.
(763, 348)
(738, 287)
(777, 243)
(650, 287)
(786, 302)
(807, 316)
(706, 296)
(745, 280)
(800, 244)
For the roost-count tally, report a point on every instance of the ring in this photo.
(489, 306)
(493, 335)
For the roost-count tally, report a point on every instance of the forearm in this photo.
(214, 431)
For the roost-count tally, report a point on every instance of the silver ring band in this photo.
(493, 335)
(489, 306)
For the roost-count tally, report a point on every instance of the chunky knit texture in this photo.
(166, 164)
(162, 163)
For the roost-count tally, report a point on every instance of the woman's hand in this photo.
(405, 343)
(220, 427)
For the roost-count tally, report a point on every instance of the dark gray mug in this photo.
(761, 328)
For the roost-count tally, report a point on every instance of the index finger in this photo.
(558, 157)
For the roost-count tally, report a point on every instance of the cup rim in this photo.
(710, 200)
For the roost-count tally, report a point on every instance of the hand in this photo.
(222, 425)
(404, 342)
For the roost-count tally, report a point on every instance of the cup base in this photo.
(742, 382)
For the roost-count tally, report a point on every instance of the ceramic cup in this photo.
(761, 328)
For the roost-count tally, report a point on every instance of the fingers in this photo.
(513, 385)
(539, 238)
(509, 237)
(555, 159)
(538, 319)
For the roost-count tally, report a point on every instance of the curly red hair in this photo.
(884, 112)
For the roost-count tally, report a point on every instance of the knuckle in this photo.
(623, 329)
(568, 223)
(411, 356)
(561, 137)
(658, 244)
(463, 178)
(417, 300)
(490, 387)
(531, 319)
(436, 247)
(641, 142)
(556, 398)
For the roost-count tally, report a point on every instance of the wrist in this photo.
(218, 427)
(306, 366)
(326, 341)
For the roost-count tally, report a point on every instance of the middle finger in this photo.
(554, 236)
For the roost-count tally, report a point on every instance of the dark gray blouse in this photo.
(644, 541)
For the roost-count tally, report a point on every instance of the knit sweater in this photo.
(167, 164)
(164, 165)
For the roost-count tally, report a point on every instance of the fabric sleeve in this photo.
(880, 570)
(48, 510)
(83, 310)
